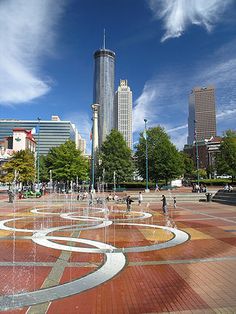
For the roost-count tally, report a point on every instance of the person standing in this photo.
(128, 203)
(164, 204)
(140, 198)
(174, 201)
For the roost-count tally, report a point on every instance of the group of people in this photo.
(82, 195)
(228, 188)
(129, 201)
(199, 188)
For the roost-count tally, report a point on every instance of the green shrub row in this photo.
(218, 182)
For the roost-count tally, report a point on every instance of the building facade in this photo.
(207, 153)
(49, 133)
(202, 114)
(104, 77)
(80, 143)
(123, 112)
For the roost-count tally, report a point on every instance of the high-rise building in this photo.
(104, 76)
(123, 111)
(202, 114)
(50, 133)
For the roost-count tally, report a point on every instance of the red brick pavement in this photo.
(196, 276)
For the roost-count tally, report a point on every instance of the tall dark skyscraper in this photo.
(104, 77)
(202, 114)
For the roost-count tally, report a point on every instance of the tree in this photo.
(226, 159)
(164, 160)
(43, 169)
(67, 163)
(116, 156)
(188, 169)
(201, 172)
(22, 162)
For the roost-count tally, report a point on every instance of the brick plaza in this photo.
(62, 256)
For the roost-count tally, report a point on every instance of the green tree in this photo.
(164, 160)
(23, 162)
(226, 159)
(188, 165)
(116, 156)
(67, 162)
(201, 172)
(43, 169)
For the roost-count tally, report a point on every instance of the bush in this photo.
(214, 182)
(136, 185)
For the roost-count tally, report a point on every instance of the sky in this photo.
(163, 48)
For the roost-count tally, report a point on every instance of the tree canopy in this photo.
(226, 159)
(116, 156)
(43, 172)
(22, 162)
(188, 169)
(164, 160)
(67, 163)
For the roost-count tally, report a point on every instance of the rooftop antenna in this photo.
(104, 38)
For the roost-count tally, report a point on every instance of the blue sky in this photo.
(163, 47)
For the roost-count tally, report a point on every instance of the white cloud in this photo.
(229, 112)
(177, 15)
(181, 127)
(142, 106)
(159, 101)
(27, 33)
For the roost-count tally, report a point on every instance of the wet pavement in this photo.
(61, 256)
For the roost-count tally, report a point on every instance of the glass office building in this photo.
(51, 133)
(104, 76)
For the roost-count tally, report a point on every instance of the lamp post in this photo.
(114, 181)
(94, 142)
(196, 145)
(50, 175)
(103, 180)
(92, 181)
(38, 153)
(145, 136)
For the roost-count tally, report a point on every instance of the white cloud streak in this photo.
(229, 113)
(27, 34)
(142, 106)
(177, 15)
(181, 127)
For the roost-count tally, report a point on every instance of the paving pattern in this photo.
(60, 256)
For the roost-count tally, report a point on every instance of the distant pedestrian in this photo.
(164, 204)
(197, 188)
(174, 201)
(116, 198)
(157, 188)
(128, 203)
(140, 198)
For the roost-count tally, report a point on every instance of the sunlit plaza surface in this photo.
(60, 256)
